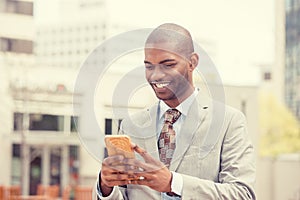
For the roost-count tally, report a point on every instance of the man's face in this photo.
(168, 73)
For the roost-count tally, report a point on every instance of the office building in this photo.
(292, 56)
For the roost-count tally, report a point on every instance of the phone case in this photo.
(119, 145)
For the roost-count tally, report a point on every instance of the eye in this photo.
(169, 65)
(149, 67)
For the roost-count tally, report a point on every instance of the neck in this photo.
(173, 103)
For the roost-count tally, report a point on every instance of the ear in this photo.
(194, 61)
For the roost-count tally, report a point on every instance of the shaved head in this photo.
(171, 37)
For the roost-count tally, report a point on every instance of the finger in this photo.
(117, 183)
(116, 170)
(140, 166)
(123, 168)
(119, 177)
(132, 166)
(152, 174)
(112, 160)
(119, 169)
(133, 145)
(139, 149)
(142, 181)
(110, 170)
(144, 176)
(146, 156)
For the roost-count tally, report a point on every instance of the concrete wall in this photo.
(279, 179)
(245, 99)
(5, 124)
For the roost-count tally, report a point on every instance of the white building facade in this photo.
(39, 128)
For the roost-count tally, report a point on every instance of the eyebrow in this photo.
(161, 62)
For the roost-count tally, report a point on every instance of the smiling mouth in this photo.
(160, 85)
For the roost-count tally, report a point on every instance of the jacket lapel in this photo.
(146, 137)
(194, 118)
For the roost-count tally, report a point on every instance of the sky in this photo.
(240, 33)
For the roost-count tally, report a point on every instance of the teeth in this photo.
(161, 85)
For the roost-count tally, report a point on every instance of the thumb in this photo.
(141, 151)
(146, 156)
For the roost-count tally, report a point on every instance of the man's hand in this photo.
(117, 170)
(113, 173)
(152, 172)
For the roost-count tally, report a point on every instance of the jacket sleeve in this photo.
(237, 169)
(115, 195)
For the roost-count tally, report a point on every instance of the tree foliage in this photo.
(280, 130)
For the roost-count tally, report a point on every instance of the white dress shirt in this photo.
(183, 108)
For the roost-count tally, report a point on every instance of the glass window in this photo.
(55, 166)
(18, 121)
(74, 123)
(267, 76)
(16, 164)
(16, 45)
(19, 7)
(119, 124)
(112, 126)
(35, 169)
(108, 126)
(16, 151)
(74, 164)
(46, 122)
(108, 131)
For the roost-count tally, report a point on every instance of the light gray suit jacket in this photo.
(213, 153)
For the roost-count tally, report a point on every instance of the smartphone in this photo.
(119, 145)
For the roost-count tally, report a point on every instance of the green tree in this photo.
(279, 128)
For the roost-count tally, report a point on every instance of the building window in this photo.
(16, 164)
(35, 169)
(55, 166)
(108, 131)
(16, 45)
(108, 126)
(74, 123)
(74, 164)
(46, 122)
(18, 121)
(19, 7)
(111, 127)
(267, 76)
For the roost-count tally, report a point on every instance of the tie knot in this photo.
(172, 115)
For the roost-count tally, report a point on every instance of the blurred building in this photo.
(65, 40)
(278, 177)
(281, 78)
(16, 53)
(292, 56)
(39, 62)
(39, 141)
(67, 44)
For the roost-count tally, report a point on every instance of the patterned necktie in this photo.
(167, 138)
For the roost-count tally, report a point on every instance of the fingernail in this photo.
(133, 145)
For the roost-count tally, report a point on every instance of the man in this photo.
(170, 137)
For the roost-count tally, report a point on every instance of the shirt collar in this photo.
(183, 108)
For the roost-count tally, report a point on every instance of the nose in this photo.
(157, 74)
